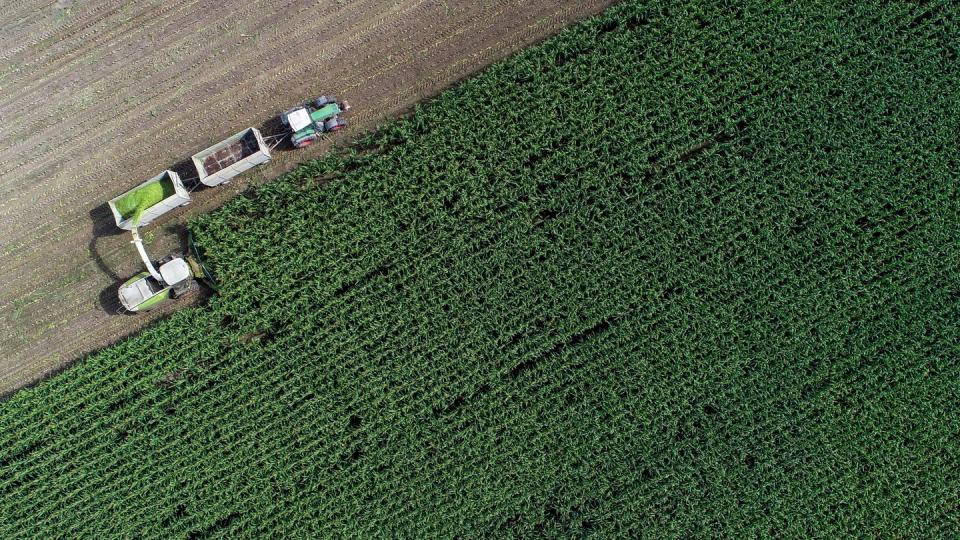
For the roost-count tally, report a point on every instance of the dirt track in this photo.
(96, 96)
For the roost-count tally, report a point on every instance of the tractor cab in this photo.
(307, 122)
(298, 119)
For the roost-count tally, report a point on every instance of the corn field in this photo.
(685, 269)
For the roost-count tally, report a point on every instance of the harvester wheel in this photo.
(185, 287)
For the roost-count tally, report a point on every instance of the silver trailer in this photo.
(226, 159)
(163, 193)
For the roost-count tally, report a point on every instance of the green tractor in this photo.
(306, 123)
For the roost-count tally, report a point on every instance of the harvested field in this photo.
(97, 96)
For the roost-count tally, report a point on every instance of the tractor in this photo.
(306, 123)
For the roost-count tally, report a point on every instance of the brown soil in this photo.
(96, 97)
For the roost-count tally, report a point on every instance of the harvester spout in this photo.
(143, 255)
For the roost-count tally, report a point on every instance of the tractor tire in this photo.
(323, 100)
(335, 124)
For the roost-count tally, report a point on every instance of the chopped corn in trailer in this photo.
(154, 198)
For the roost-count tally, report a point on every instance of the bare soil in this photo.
(98, 95)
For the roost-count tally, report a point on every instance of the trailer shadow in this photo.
(103, 226)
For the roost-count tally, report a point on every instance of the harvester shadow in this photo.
(109, 300)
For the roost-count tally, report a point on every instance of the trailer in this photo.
(150, 199)
(228, 158)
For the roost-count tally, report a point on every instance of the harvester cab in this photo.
(307, 122)
(145, 291)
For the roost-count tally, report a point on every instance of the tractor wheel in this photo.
(304, 143)
(337, 123)
(331, 124)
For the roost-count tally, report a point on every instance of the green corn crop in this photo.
(685, 270)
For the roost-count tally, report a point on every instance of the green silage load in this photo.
(138, 200)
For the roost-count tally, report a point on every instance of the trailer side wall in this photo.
(230, 157)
